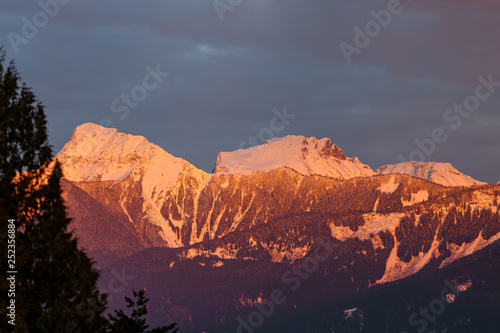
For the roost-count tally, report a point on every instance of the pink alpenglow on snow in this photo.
(308, 156)
(98, 153)
(440, 173)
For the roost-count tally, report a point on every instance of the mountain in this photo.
(95, 153)
(212, 248)
(307, 156)
(439, 173)
(106, 234)
(209, 294)
(378, 231)
(133, 180)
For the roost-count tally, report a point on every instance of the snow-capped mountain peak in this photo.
(440, 173)
(98, 153)
(307, 156)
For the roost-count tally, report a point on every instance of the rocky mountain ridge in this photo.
(135, 205)
(307, 156)
(166, 201)
(440, 173)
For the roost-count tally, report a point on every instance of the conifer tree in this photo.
(136, 323)
(55, 282)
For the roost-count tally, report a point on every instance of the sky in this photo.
(387, 81)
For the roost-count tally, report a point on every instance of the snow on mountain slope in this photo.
(163, 200)
(440, 173)
(95, 153)
(307, 156)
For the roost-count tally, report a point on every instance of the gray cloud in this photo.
(226, 77)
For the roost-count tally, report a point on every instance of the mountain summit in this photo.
(439, 173)
(97, 153)
(138, 170)
(308, 156)
(227, 238)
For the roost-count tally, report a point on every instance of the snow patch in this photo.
(465, 249)
(340, 232)
(389, 187)
(375, 223)
(418, 197)
(219, 252)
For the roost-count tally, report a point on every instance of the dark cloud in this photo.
(227, 76)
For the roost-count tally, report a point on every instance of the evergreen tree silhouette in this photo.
(55, 282)
(136, 323)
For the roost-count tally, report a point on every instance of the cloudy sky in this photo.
(377, 77)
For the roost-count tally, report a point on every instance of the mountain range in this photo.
(213, 247)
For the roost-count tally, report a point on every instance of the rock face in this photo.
(136, 179)
(227, 237)
(379, 229)
(307, 156)
(95, 153)
(146, 197)
(439, 173)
